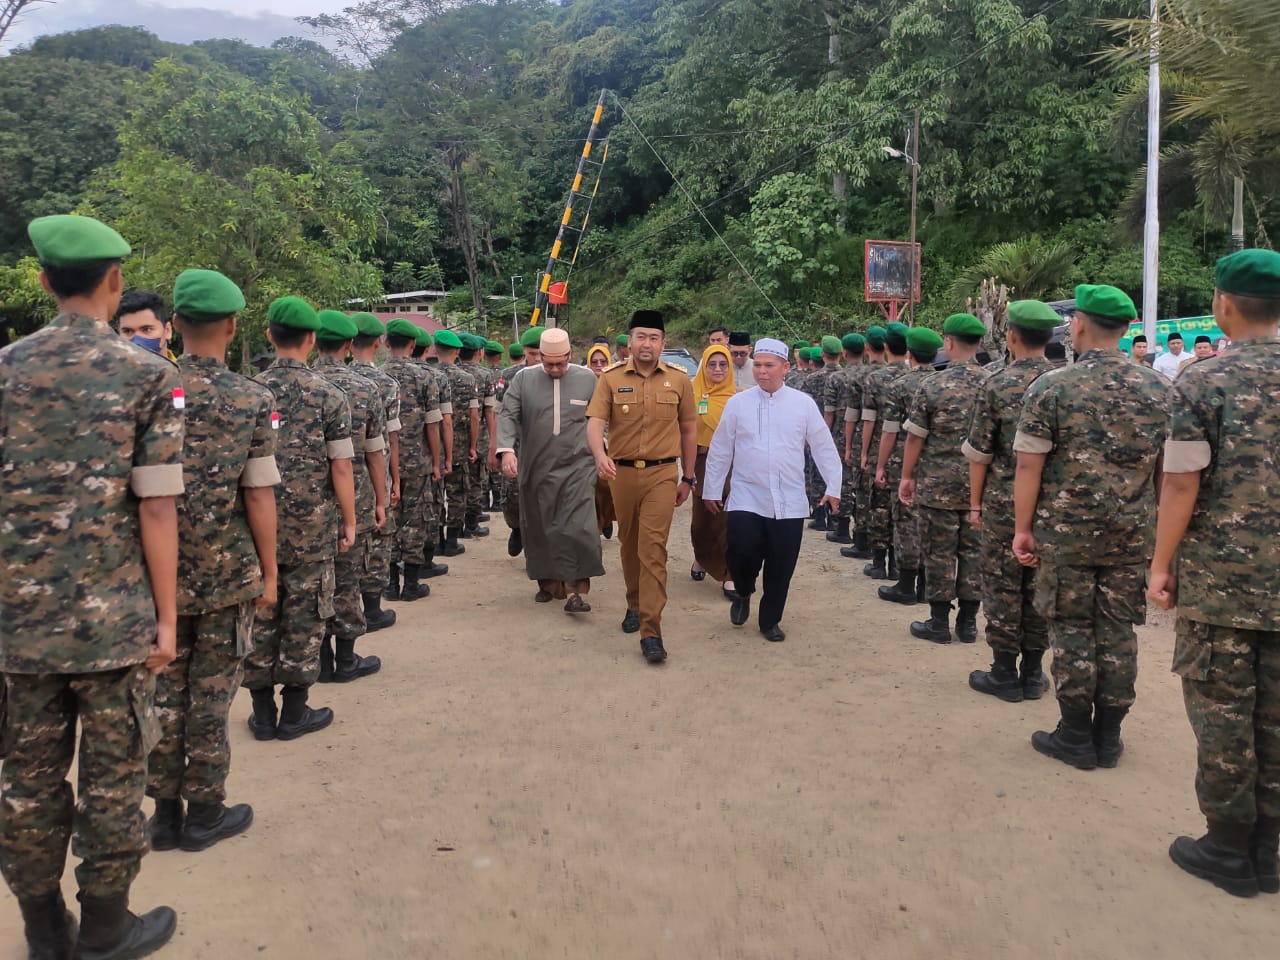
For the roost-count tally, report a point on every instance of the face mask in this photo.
(147, 343)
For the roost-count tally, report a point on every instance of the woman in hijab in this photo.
(598, 359)
(712, 388)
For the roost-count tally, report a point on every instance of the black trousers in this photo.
(754, 541)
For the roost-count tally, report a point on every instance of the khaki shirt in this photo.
(642, 413)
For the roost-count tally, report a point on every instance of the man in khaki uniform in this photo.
(648, 408)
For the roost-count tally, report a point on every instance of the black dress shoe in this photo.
(631, 622)
(697, 575)
(773, 634)
(514, 543)
(608, 531)
(652, 649)
(739, 610)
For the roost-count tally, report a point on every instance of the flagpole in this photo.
(1151, 231)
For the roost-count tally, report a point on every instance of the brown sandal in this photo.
(575, 604)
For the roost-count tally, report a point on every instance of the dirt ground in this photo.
(517, 783)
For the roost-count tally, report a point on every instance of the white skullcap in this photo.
(554, 342)
(775, 348)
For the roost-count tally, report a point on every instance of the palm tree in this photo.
(1030, 267)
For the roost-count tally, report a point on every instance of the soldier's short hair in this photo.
(287, 337)
(79, 280)
(398, 341)
(419, 351)
(363, 340)
(969, 339)
(896, 343)
(924, 356)
(1033, 338)
(1255, 309)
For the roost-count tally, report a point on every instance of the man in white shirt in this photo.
(761, 439)
(1167, 363)
(740, 354)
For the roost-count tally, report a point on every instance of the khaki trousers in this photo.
(644, 501)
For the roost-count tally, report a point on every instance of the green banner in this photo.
(1189, 327)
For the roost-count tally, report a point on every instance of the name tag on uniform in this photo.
(578, 403)
(626, 389)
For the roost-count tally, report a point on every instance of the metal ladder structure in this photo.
(580, 200)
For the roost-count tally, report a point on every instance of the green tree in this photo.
(1032, 269)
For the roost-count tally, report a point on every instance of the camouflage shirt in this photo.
(89, 422)
(390, 391)
(855, 378)
(419, 406)
(896, 399)
(466, 397)
(230, 444)
(835, 398)
(991, 432)
(1222, 423)
(504, 380)
(368, 427)
(315, 427)
(1100, 423)
(873, 394)
(940, 413)
(486, 388)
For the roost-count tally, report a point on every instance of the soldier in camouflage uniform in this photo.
(935, 475)
(378, 548)
(91, 429)
(486, 445)
(873, 359)
(799, 363)
(856, 370)
(835, 400)
(340, 663)
(494, 360)
(315, 520)
(440, 439)
(531, 355)
(1222, 438)
(466, 435)
(922, 346)
(226, 561)
(879, 510)
(828, 357)
(420, 459)
(1014, 627)
(1088, 445)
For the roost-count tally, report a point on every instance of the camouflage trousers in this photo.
(952, 555)
(1231, 689)
(434, 514)
(193, 699)
(862, 494)
(411, 514)
(879, 512)
(477, 483)
(1091, 612)
(814, 486)
(457, 486)
(377, 559)
(849, 481)
(349, 569)
(510, 502)
(907, 548)
(287, 636)
(1008, 594)
(39, 815)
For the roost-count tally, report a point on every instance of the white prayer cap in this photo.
(554, 342)
(775, 348)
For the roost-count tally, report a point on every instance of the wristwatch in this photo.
(691, 481)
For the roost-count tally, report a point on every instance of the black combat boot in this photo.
(1221, 856)
(412, 589)
(483, 517)
(904, 591)
(393, 583)
(296, 718)
(967, 621)
(1106, 734)
(938, 627)
(1072, 740)
(350, 666)
(50, 927)
(921, 597)
(165, 827)
(861, 549)
(1001, 680)
(375, 617)
(109, 931)
(878, 568)
(451, 547)
(471, 527)
(207, 823)
(263, 719)
(515, 544)
(841, 533)
(818, 520)
(326, 658)
(891, 570)
(430, 568)
(1264, 845)
(1034, 683)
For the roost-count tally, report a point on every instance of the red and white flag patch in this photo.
(179, 398)
(275, 419)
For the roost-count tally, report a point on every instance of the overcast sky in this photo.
(181, 21)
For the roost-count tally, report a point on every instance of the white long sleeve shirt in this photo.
(761, 439)
(1167, 364)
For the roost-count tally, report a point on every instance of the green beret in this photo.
(923, 340)
(400, 327)
(369, 325)
(831, 344)
(531, 337)
(493, 346)
(1249, 273)
(1106, 303)
(67, 241)
(622, 340)
(447, 338)
(854, 342)
(815, 354)
(964, 325)
(895, 327)
(206, 295)
(515, 351)
(1032, 315)
(875, 337)
(422, 335)
(800, 345)
(336, 326)
(293, 312)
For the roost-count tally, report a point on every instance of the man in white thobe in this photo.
(760, 441)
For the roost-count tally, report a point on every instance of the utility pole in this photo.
(915, 183)
(1151, 231)
(515, 314)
